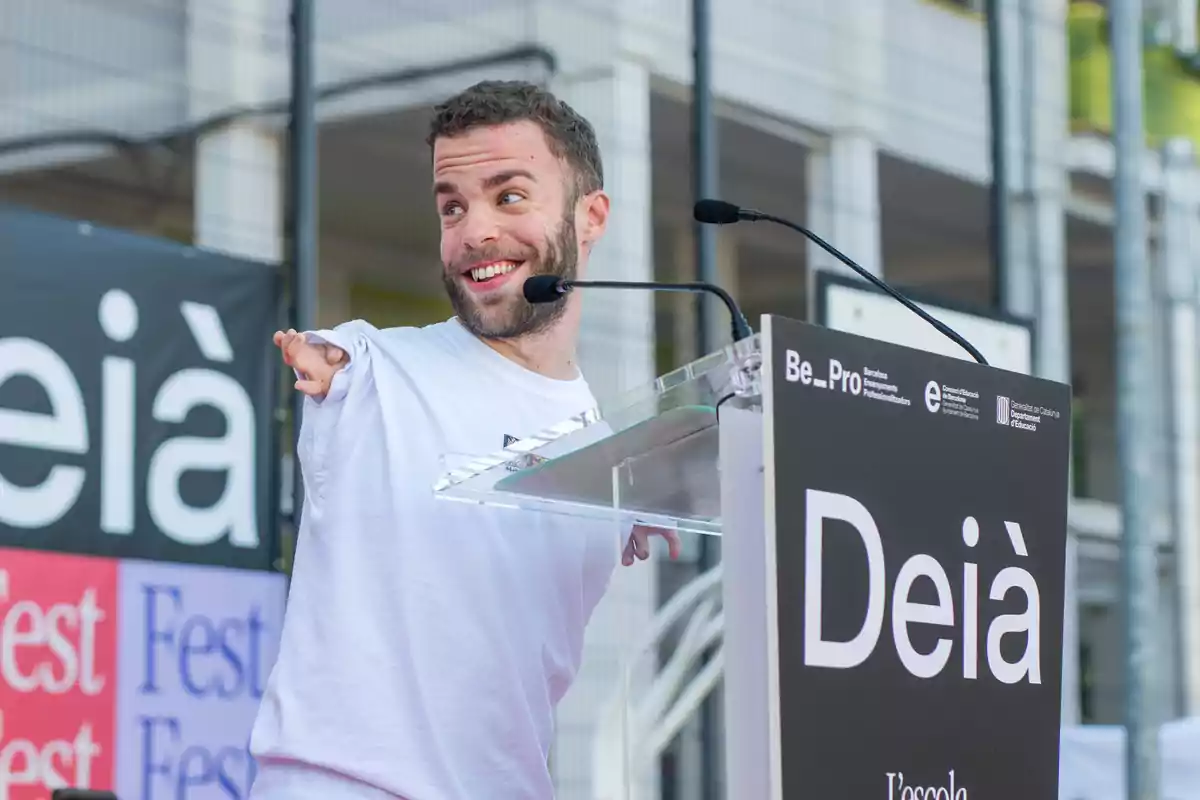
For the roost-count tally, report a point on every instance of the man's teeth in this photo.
(492, 270)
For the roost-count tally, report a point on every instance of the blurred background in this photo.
(869, 121)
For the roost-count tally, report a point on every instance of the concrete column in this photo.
(1179, 304)
(843, 177)
(616, 353)
(843, 202)
(1184, 13)
(617, 339)
(238, 168)
(1035, 280)
(237, 185)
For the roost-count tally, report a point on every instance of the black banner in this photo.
(920, 535)
(137, 388)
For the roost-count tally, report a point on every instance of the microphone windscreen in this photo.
(542, 289)
(716, 212)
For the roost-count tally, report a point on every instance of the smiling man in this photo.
(426, 644)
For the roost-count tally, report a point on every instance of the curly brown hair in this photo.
(569, 136)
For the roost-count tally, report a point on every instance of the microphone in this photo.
(548, 288)
(719, 212)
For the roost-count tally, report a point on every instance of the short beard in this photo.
(520, 318)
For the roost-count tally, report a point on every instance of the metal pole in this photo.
(998, 221)
(705, 165)
(1032, 286)
(1136, 426)
(302, 222)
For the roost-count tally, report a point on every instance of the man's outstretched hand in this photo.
(638, 546)
(316, 363)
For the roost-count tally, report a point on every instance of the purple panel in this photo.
(196, 648)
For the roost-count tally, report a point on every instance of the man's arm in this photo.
(332, 370)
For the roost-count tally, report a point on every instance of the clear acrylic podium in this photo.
(657, 457)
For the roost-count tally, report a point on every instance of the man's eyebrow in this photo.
(499, 179)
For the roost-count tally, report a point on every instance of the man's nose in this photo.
(480, 228)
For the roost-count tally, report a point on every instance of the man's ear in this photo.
(594, 210)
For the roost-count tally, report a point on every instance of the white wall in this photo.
(802, 60)
(78, 64)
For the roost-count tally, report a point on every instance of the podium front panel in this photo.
(917, 520)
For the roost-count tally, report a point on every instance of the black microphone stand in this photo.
(718, 212)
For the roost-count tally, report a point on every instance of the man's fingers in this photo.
(627, 555)
(641, 543)
(310, 387)
(674, 544)
(310, 361)
(334, 355)
(300, 355)
(281, 341)
(286, 342)
(638, 546)
(294, 351)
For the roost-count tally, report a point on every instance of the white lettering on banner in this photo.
(953, 401)
(56, 764)
(64, 430)
(847, 381)
(869, 382)
(820, 652)
(899, 790)
(49, 650)
(933, 396)
(184, 768)
(221, 658)
(36, 648)
(844, 379)
(795, 370)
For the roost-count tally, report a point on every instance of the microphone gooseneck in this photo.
(548, 289)
(720, 212)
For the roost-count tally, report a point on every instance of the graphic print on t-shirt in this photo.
(509, 439)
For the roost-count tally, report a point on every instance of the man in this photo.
(427, 642)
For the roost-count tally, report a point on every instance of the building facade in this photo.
(867, 120)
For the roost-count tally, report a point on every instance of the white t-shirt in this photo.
(426, 642)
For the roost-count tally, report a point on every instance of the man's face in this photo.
(508, 212)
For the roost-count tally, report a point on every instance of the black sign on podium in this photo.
(919, 515)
